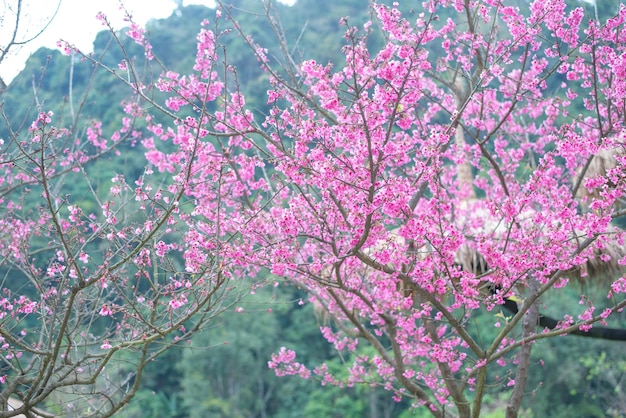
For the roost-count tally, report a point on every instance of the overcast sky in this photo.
(75, 22)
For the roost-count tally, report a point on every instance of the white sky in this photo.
(75, 22)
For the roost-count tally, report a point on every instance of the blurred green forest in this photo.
(223, 372)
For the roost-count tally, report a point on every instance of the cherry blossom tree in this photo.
(101, 276)
(475, 161)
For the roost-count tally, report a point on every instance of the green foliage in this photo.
(150, 404)
(230, 360)
(356, 401)
(580, 375)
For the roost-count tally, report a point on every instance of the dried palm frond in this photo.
(601, 266)
(599, 166)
